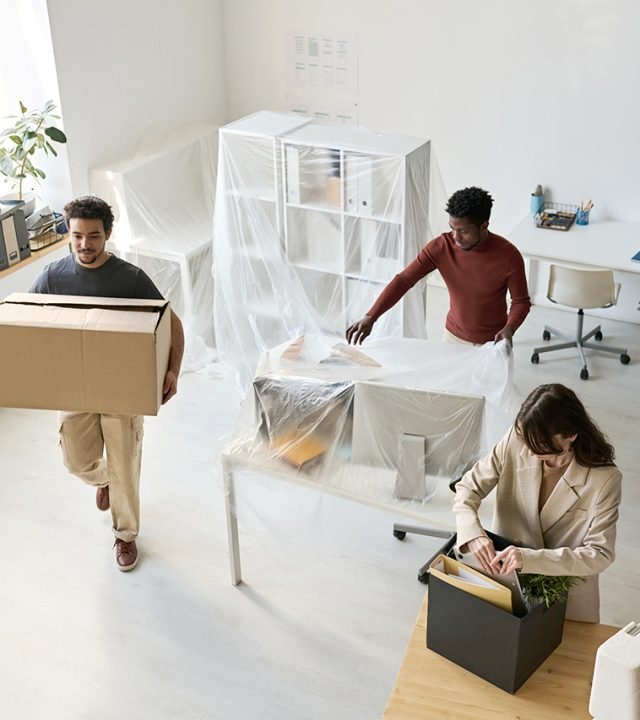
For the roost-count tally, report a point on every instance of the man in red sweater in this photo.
(478, 268)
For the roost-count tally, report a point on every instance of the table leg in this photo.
(232, 524)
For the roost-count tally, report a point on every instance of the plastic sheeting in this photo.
(311, 222)
(163, 199)
(390, 427)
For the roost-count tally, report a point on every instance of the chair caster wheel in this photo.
(535, 358)
(399, 534)
(423, 578)
(546, 335)
(584, 374)
(625, 359)
(598, 336)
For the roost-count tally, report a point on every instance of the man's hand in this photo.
(482, 548)
(505, 334)
(507, 561)
(170, 387)
(360, 330)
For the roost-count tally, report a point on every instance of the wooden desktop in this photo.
(429, 686)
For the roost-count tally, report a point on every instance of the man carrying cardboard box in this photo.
(92, 271)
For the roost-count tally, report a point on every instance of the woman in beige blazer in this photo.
(557, 497)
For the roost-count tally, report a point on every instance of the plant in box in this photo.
(31, 133)
(548, 589)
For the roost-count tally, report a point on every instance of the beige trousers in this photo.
(83, 439)
(449, 337)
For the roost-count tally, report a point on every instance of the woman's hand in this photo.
(484, 551)
(507, 561)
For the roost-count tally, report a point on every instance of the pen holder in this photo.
(537, 201)
(582, 217)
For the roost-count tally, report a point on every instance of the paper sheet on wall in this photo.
(322, 61)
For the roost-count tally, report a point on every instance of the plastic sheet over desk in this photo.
(390, 425)
(162, 194)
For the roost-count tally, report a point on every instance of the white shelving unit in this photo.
(345, 208)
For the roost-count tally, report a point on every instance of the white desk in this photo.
(405, 364)
(606, 244)
(183, 254)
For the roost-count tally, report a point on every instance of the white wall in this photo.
(28, 74)
(128, 69)
(511, 94)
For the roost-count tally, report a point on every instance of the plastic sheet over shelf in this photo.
(311, 222)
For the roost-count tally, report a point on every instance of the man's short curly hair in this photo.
(472, 203)
(89, 207)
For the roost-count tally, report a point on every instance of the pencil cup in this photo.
(537, 201)
(582, 217)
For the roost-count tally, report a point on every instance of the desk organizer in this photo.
(556, 216)
(45, 235)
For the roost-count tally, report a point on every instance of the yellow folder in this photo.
(297, 447)
(466, 578)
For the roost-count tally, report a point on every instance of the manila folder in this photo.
(471, 581)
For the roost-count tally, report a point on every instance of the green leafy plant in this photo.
(548, 588)
(33, 131)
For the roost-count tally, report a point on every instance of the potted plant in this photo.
(547, 589)
(32, 132)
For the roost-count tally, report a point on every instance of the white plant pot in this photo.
(28, 202)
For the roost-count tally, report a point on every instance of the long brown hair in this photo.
(556, 410)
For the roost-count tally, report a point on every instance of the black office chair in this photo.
(400, 531)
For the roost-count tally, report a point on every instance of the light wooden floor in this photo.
(173, 639)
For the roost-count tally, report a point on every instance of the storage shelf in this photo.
(373, 218)
(340, 196)
(36, 255)
(320, 207)
(325, 268)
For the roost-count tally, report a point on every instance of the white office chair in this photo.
(581, 289)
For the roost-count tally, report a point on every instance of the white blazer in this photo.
(573, 534)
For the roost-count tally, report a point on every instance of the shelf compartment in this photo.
(315, 239)
(374, 186)
(373, 249)
(313, 176)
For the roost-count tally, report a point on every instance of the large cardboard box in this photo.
(91, 354)
(490, 642)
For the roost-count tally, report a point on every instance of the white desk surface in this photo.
(604, 244)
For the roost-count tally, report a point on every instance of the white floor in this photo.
(173, 639)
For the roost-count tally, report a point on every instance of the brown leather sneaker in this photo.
(126, 554)
(102, 497)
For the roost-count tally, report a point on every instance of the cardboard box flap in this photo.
(75, 318)
(134, 304)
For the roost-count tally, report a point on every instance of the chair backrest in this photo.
(581, 288)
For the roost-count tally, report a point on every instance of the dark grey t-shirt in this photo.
(115, 278)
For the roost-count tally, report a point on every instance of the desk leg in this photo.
(232, 525)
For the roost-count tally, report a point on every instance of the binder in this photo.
(292, 159)
(471, 581)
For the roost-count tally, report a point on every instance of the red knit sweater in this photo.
(478, 281)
